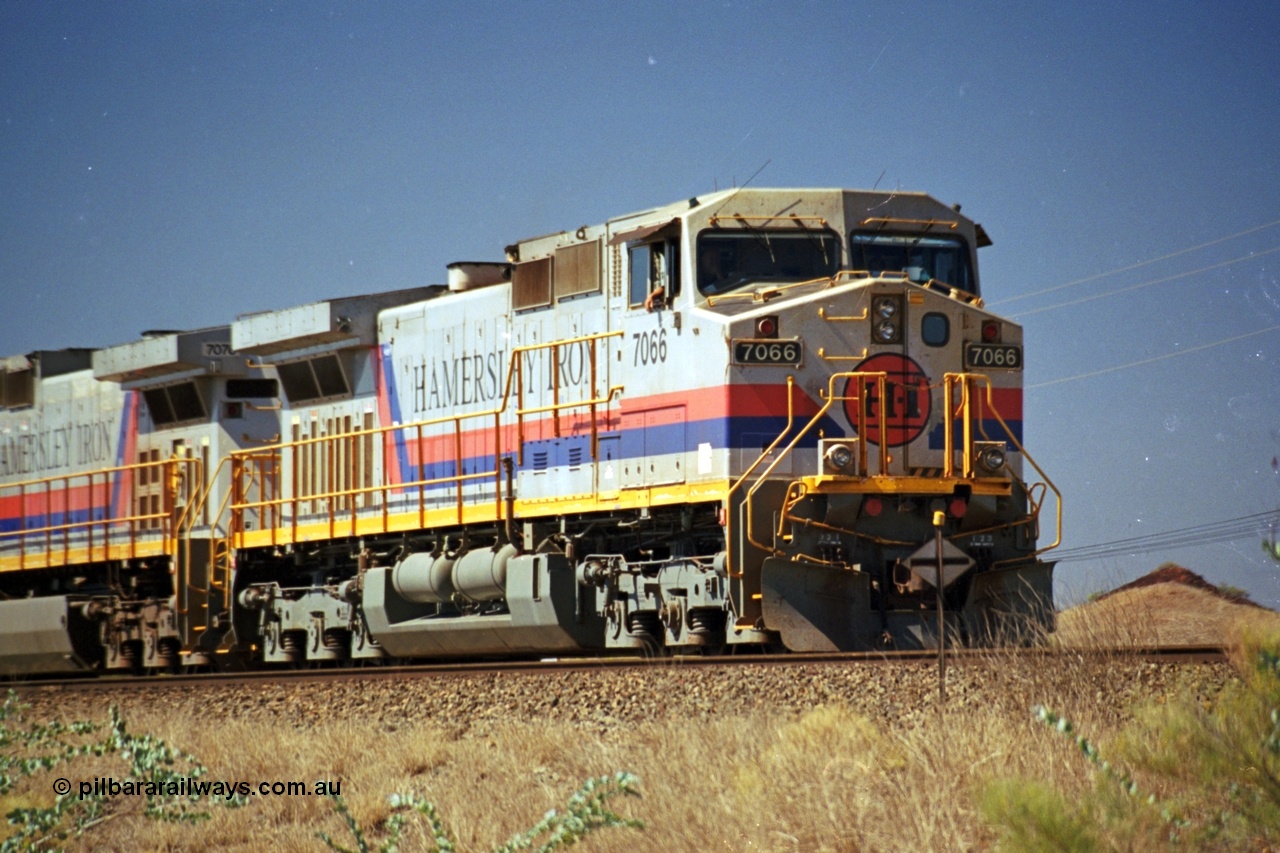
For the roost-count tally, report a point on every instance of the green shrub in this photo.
(1211, 771)
(1223, 758)
(584, 814)
(1034, 818)
(29, 750)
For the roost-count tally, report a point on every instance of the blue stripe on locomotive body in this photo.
(13, 524)
(639, 443)
(73, 426)
(387, 380)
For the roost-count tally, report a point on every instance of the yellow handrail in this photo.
(728, 545)
(263, 464)
(966, 383)
(1034, 515)
(881, 378)
(194, 511)
(49, 496)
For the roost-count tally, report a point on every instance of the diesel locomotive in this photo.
(758, 419)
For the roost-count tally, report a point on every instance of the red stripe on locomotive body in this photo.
(80, 495)
(1007, 402)
(718, 403)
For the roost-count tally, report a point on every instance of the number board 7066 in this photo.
(980, 356)
(768, 351)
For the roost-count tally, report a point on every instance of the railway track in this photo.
(1186, 654)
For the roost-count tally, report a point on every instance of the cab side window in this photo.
(654, 274)
(640, 274)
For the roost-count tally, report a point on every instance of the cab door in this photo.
(651, 442)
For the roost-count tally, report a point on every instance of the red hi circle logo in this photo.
(904, 411)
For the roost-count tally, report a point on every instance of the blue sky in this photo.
(175, 164)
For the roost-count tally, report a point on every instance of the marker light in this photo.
(991, 331)
(767, 327)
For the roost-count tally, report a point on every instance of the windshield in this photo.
(920, 258)
(729, 260)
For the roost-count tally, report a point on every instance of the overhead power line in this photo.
(1097, 276)
(1153, 359)
(1230, 530)
(1143, 284)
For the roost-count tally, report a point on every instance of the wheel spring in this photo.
(293, 642)
(644, 623)
(336, 639)
(167, 649)
(706, 622)
(131, 651)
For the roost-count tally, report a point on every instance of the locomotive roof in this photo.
(779, 202)
(51, 362)
(329, 324)
(163, 356)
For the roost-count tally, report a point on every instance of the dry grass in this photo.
(1163, 614)
(823, 778)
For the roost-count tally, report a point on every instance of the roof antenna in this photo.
(744, 186)
(892, 193)
(756, 172)
(877, 183)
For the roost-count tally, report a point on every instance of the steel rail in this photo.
(1180, 654)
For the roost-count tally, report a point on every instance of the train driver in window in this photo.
(657, 298)
(710, 270)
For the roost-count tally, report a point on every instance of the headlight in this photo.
(886, 314)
